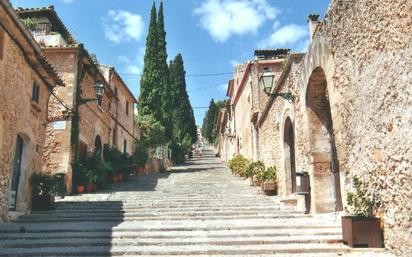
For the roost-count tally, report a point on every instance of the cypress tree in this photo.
(183, 124)
(164, 81)
(150, 93)
(209, 121)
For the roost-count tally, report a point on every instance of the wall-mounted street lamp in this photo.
(98, 91)
(267, 80)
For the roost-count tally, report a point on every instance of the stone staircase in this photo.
(199, 209)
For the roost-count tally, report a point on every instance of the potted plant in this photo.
(92, 178)
(43, 187)
(238, 165)
(79, 178)
(141, 156)
(269, 181)
(253, 169)
(359, 227)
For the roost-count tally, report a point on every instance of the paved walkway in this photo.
(199, 209)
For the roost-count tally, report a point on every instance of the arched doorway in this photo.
(289, 156)
(98, 147)
(326, 186)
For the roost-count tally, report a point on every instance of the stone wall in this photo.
(272, 129)
(357, 71)
(19, 115)
(57, 155)
(94, 120)
(372, 78)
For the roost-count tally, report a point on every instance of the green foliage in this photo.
(30, 23)
(183, 123)
(210, 120)
(141, 154)
(79, 174)
(166, 100)
(97, 169)
(254, 168)
(359, 204)
(152, 133)
(151, 84)
(267, 175)
(43, 184)
(239, 164)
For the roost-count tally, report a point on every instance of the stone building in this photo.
(26, 82)
(351, 113)
(82, 121)
(125, 132)
(246, 100)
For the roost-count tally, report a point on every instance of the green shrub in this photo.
(43, 184)
(359, 204)
(239, 164)
(254, 168)
(141, 154)
(268, 175)
(79, 174)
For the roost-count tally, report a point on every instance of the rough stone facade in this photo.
(351, 114)
(22, 116)
(81, 74)
(125, 132)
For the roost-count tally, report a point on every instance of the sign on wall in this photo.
(59, 125)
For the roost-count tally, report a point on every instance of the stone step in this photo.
(75, 242)
(139, 209)
(179, 250)
(211, 234)
(182, 217)
(191, 225)
(154, 212)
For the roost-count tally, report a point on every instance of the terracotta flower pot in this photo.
(90, 188)
(120, 177)
(79, 189)
(114, 179)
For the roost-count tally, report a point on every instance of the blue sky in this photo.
(212, 35)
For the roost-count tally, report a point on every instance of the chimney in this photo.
(313, 20)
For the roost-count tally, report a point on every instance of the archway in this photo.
(289, 156)
(325, 165)
(98, 147)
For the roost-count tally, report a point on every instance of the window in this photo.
(116, 93)
(127, 107)
(36, 92)
(1, 44)
(125, 146)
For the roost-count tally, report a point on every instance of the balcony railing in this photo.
(43, 29)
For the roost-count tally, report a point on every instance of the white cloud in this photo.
(133, 66)
(289, 36)
(234, 63)
(120, 26)
(224, 18)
